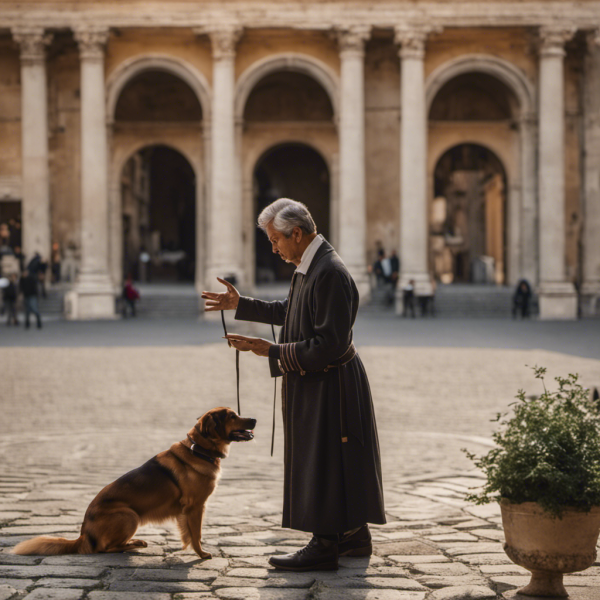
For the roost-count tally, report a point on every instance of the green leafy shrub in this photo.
(548, 451)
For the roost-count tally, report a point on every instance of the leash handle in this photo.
(274, 398)
(237, 364)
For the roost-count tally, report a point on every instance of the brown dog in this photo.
(175, 484)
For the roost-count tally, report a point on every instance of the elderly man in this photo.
(332, 484)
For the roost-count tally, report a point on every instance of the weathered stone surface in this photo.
(400, 583)
(437, 581)
(503, 569)
(165, 574)
(248, 572)
(244, 593)
(102, 595)
(48, 571)
(452, 537)
(18, 584)
(474, 548)
(405, 548)
(417, 559)
(467, 592)
(254, 550)
(6, 591)
(298, 580)
(366, 594)
(107, 560)
(491, 534)
(61, 582)
(575, 593)
(55, 594)
(442, 569)
(485, 559)
(158, 586)
(18, 559)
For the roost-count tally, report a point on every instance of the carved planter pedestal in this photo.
(548, 546)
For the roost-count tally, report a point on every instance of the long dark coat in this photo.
(331, 486)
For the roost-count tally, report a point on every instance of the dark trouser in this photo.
(408, 301)
(131, 304)
(31, 306)
(11, 309)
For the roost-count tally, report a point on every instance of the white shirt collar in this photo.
(309, 254)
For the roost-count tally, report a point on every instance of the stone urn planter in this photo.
(549, 546)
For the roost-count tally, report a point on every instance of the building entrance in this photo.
(295, 171)
(468, 217)
(158, 189)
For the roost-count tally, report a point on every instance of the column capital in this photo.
(552, 39)
(412, 39)
(91, 41)
(352, 38)
(593, 39)
(223, 39)
(33, 42)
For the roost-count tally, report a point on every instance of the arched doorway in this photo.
(158, 192)
(468, 220)
(289, 170)
(157, 145)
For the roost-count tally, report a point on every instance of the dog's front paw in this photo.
(205, 554)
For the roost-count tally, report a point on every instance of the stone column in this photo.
(34, 145)
(590, 289)
(352, 208)
(557, 296)
(414, 222)
(93, 296)
(529, 226)
(225, 235)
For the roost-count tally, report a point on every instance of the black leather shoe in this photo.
(357, 543)
(319, 555)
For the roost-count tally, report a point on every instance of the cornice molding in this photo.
(316, 16)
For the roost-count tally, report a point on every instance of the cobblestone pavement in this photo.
(73, 419)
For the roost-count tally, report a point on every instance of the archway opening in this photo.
(468, 221)
(290, 170)
(158, 191)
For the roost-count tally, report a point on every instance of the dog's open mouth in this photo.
(241, 435)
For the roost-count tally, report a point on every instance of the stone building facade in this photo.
(454, 132)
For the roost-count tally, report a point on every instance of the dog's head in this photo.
(223, 425)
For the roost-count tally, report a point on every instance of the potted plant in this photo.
(545, 473)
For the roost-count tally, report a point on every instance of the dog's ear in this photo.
(208, 426)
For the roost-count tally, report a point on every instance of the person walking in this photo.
(332, 476)
(9, 295)
(521, 299)
(29, 289)
(408, 299)
(130, 297)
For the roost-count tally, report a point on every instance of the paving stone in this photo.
(294, 580)
(408, 547)
(126, 559)
(485, 559)
(484, 511)
(400, 583)
(453, 537)
(158, 586)
(174, 574)
(18, 559)
(466, 592)
(248, 572)
(55, 594)
(254, 550)
(437, 581)
(358, 562)
(18, 584)
(503, 569)
(366, 594)
(419, 559)
(477, 548)
(245, 593)
(448, 568)
(19, 571)
(576, 593)
(60, 582)
(103, 595)
(492, 534)
(6, 591)
(399, 535)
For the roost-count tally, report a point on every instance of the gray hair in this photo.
(285, 214)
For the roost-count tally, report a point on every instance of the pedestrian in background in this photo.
(408, 299)
(29, 289)
(130, 297)
(521, 299)
(9, 295)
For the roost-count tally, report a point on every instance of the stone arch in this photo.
(128, 69)
(501, 69)
(295, 62)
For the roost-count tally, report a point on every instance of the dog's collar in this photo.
(201, 452)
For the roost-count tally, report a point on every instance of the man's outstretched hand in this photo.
(221, 300)
(243, 343)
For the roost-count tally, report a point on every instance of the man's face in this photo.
(286, 247)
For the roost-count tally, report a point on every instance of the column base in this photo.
(590, 299)
(558, 301)
(92, 298)
(422, 285)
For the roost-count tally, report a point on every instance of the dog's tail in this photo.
(49, 545)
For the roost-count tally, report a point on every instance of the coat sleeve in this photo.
(332, 310)
(260, 311)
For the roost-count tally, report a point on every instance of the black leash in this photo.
(237, 377)
(237, 363)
